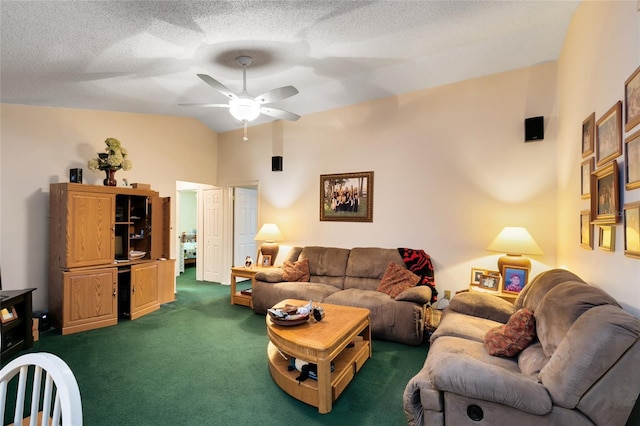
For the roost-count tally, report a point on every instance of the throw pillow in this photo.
(396, 279)
(509, 339)
(296, 271)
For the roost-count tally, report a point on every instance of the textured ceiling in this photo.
(143, 56)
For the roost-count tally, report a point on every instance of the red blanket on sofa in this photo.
(419, 262)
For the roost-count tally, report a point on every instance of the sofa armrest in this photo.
(464, 375)
(419, 294)
(270, 275)
(483, 306)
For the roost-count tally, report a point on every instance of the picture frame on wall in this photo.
(489, 282)
(632, 161)
(586, 168)
(631, 216)
(476, 274)
(346, 197)
(605, 202)
(588, 132)
(586, 230)
(609, 135)
(632, 100)
(607, 238)
(515, 278)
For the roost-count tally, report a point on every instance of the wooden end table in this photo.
(237, 298)
(320, 343)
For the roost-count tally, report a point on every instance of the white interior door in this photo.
(245, 222)
(212, 259)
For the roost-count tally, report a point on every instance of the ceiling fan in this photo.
(243, 106)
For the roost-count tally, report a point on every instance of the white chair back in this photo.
(58, 402)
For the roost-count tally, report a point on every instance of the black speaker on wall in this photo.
(533, 129)
(276, 163)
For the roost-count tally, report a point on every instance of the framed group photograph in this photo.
(585, 177)
(346, 197)
(605, 201)
(489, 282)
(586, 230)
(632, 230)
(609, 135)
(515, 278)
(632, 161)
(632, 100)
(588, 131)
(607, 238)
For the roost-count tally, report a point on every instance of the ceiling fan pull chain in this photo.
(245, 138)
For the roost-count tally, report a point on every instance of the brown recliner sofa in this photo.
(349, 277)
(581, 369)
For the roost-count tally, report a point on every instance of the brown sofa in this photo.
(581, 369)
(349, 277)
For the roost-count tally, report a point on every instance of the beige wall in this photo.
(451, 169)
(40, 144)
(601, 50)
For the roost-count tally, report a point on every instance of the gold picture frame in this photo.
(515, 278)
(8, 314)
(632, 100)
(607, 238)
(632, 161)
(346, 197)
(489, 282)
(266, 260)
(586, 168)
(476, 274)
(609, 135)
(631, 214)
(605, 201)
(588, 132)
(586, 230)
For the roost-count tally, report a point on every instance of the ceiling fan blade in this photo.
(280, 114)
(218, 86)
(205, 105)
(276, 94)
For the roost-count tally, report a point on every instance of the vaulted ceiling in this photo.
(143, 56)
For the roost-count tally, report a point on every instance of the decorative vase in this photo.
(111, 178)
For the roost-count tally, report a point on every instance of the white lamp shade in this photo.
(515, 241)
(269, 232)
(244, 109)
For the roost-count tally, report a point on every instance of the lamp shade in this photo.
(515, 241)
(269, 232)
(244, 109)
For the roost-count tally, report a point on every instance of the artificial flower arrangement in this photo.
(114, 157)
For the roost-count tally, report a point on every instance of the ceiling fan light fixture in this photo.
(244, 109)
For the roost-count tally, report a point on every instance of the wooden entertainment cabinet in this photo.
(93, 279)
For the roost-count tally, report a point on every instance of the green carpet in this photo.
(202, 361)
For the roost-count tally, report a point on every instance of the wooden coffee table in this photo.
(320, 343)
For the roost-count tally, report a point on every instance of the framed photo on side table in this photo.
(346, 197)
(586, 230)
(605, 201)
(266, 260)
(476, 274)
(588, 131)
(515, 278)
(609, 135)
(632, 100)
(632, 161)
(489, 282)
(632, 230)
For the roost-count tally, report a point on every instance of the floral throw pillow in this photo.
(397, 279)
(510, 339)
(296, 271)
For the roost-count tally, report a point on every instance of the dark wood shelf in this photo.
(17, 334)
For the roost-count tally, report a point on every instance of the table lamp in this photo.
(514, 241)
(269, 233)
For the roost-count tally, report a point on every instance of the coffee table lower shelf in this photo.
(346, 365)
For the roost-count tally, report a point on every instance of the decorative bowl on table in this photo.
(134, 254)
(287, 315)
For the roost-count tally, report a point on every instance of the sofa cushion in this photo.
(270, 275)
(327, 265)
(367, 266)
(483, 306)
(396, 279)
(296, 271)
(419, 294)
(511, 338)
(533, 293)
(464, 326)
(532, 359)
(560, 308)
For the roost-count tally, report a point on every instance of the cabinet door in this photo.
(160, 227)
(144, 289)
(90, 299)
(90, 229)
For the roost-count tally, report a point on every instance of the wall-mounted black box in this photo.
(75, 175)
(276, 163)
(533, 129)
